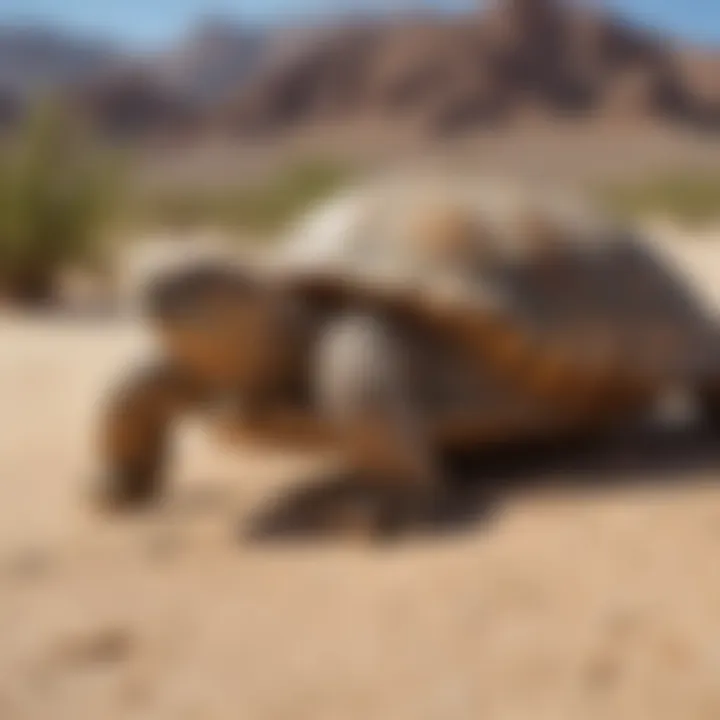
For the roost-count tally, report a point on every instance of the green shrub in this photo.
(56, 194)
(689, 197)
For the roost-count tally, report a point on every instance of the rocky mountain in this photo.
(212, 60)
(122, 92)
(214, 56)
(521, 57)
(34, 59)
(131, 104)
(440, 74)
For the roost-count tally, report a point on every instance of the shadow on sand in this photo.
(480, 483)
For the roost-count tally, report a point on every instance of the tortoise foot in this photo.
(122, 491)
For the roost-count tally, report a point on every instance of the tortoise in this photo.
(409, 316)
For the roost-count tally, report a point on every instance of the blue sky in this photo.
(151, 22)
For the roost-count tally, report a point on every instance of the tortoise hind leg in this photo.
(364, 390)
(134, 436)
(708, 400)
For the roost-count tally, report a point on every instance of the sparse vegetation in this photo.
(56, 195)
(60, 193)
(259, 210)
(691, 198)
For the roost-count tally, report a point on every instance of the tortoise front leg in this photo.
(134, 436)
(365, 392)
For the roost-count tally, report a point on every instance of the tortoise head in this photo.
(216, 320)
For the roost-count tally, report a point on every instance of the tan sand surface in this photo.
(559, 604)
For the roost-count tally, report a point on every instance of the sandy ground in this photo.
(600, 599)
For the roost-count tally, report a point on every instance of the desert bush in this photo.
(257, 209)
(688, 197)
(56, 194)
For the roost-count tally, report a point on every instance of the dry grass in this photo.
(689, 197)
(257, 209)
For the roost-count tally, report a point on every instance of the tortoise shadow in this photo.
(479, 483)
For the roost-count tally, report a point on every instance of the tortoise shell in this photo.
(543, 261)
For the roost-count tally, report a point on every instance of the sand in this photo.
(593, 600)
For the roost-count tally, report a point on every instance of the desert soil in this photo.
(585, 155)
(562, 603)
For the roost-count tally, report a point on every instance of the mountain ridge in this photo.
(440, 74)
